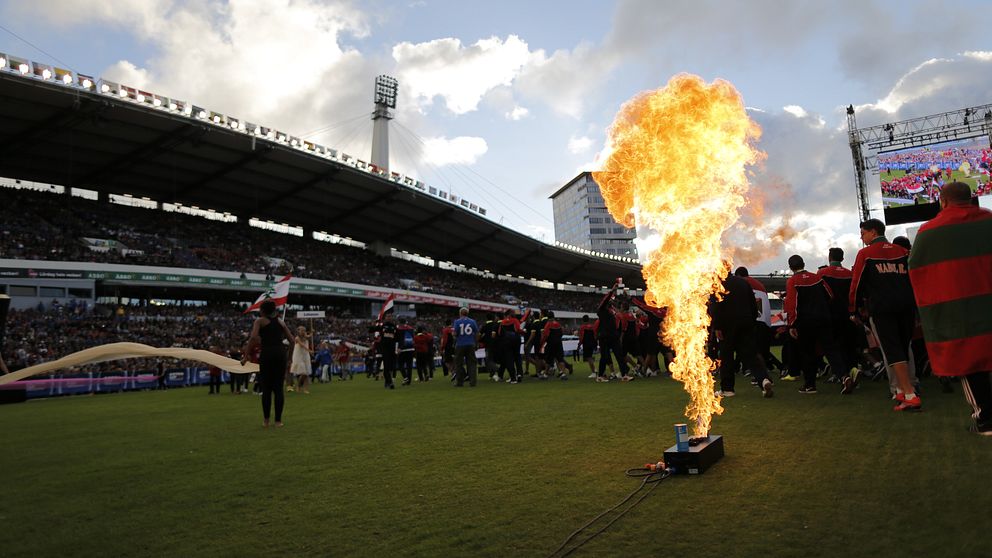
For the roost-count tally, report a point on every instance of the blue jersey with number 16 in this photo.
(465, 330)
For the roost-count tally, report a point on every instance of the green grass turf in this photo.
(498, 470)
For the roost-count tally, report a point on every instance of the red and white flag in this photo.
(279, 293)
(387, 306)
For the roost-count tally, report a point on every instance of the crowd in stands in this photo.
(925, 158)
(44, 226)
(40, 335)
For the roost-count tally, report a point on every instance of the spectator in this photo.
(951, 272)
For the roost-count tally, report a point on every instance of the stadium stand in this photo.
(43, 226)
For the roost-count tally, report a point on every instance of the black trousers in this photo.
(512, 360)
(977, 388)
(739, 341)
(388, 366)
(235, 382)
(763, 343)
(215, 383)
(811, 336)
(465, 365)
(406, 365)
(846, 334)
(608, 346)
(271, 372)
(425, 367)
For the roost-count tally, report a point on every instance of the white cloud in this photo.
(270, 62)
(517, 113)
(463, 150)
(577, 145)
(983, 55)
(795, 110)
(461, 75)
(567, 79)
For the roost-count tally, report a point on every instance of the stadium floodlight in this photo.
(41, 71)
(108, 87)
(198, 112)
(86, 82)
(64, 76)
(3, 61)
(385, 91)
(19, 65)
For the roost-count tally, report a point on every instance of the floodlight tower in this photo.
(385, 99)
(860, 175)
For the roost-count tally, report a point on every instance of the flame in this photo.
(678, 167)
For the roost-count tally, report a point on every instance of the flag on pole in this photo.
(279, 293)
(387, 306)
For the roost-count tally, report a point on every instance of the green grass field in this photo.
(498, 470)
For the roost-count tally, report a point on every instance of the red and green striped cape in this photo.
(951, 271)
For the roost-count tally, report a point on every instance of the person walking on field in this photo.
(880, 282)
(950, 267)
(268, 332)
(807, 307)
(587, 344)
(422, 343)
(300, 368)
(466, 339)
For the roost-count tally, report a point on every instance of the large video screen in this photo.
(911, 178)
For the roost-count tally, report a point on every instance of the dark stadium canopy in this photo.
(118, 142)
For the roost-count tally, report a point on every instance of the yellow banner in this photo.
(120, 351)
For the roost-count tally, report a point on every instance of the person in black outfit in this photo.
(488, 341)
(387, 347)
(404, 343)
(734, 327)
(807, 308)
(160, 374)
(609, 333)
(509, 334)
(649, 342)
(268, 331)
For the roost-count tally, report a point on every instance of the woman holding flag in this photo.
(268, 331)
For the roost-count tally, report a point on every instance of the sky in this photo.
(504, 102)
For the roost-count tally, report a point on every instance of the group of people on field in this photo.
(854, 319)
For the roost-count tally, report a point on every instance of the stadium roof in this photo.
(94, 134)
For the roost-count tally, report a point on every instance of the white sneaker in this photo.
(724, 394)
(495, 378)
(766, 388)
(593, 376)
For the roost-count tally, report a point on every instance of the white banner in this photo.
(310, 314)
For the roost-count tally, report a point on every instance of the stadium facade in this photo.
(582, 220)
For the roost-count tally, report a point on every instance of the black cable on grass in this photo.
(649, 476)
